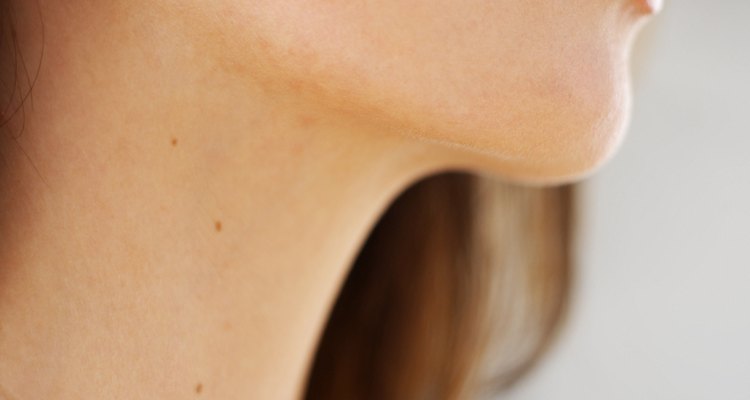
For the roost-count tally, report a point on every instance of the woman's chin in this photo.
(551, 142)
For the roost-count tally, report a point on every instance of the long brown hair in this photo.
(456, 293)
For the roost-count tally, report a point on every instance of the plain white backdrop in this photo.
(661, 306)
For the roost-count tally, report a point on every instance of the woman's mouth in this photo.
(650, 6)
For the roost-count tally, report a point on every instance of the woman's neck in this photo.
(170, 228)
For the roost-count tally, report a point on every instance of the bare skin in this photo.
(177, 223)
(166, 238)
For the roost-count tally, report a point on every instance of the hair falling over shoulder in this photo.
(457, 292)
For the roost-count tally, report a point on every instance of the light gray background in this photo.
(662, 299)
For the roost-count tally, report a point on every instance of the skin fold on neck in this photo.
(169, 230)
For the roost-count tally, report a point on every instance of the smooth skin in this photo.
(195, 178)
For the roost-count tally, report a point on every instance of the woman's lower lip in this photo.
(652, 6)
